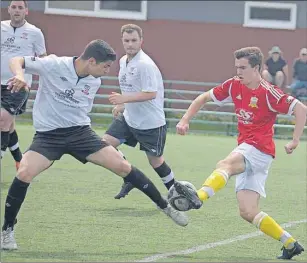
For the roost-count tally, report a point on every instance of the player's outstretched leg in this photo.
(109, 158)
(126, 186)
(31, 165)
(216, 181)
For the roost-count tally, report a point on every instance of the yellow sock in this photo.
(269, 227)
(216, 181)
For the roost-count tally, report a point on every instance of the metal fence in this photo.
(215, 120)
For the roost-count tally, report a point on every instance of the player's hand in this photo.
(290, 146)
(182, 127)
(116, 98)
(117, 110)
(17, 83)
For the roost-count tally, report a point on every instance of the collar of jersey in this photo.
(136, 56)
(74, 68)
(19, 26)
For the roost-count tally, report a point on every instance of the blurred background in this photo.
(192, 42)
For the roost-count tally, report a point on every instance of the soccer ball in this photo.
(177, 201)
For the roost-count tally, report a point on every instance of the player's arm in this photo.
(285, 104)
(183, 125)
(40, 45)
(117, 98)
(17, 64)
(196, 106)
(149, 86)
(300, 112)
(219, 94)
(31, 65)
(140, 96)
(118, 109)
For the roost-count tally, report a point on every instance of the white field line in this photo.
(195, 249)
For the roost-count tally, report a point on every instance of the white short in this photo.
(257, 169)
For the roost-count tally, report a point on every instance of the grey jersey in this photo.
(142, 74)
(27, 40)
(63, 99)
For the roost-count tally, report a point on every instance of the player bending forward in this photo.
(60, 115)
(257, 104)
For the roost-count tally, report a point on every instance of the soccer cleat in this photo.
(189, 194)
(17, 164)
(8, 241)
(178, 217)
(290, 253)
(126, 188)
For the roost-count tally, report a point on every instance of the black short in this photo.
(15, 103)
(151, 141)
(77, 141)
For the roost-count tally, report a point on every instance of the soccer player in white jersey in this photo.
(257, 104)
(60, 116)
(18, 38)
(142, 103)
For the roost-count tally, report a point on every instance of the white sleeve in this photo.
(39, 44)
(39, 66)
(148, 78)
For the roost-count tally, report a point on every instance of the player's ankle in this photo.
(203, 194)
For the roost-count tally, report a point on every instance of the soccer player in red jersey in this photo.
(257, 104)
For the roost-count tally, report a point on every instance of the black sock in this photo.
(143, 183)
(125, 159)
(166, 174)
(14, 200)
(5, 138)
(14, 146)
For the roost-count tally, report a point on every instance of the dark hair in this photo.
(100, 50)
(252, 54)
(25, 2)
(129, 28)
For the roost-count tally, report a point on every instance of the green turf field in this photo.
(70, 214)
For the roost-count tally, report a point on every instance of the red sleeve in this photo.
(280, 102)
(221, 94)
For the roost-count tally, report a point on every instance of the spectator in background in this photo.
(276, 68)
(299, 84)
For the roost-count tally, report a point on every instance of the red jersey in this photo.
(256, 110)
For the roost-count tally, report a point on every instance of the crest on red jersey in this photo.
(289, 99)
(253, 102)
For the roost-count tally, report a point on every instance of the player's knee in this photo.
(155, 161)
(248, 213)
(24, 172)
(123, 168)
(223, 164)
(6, 120)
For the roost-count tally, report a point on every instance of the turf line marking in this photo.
(195, 249)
